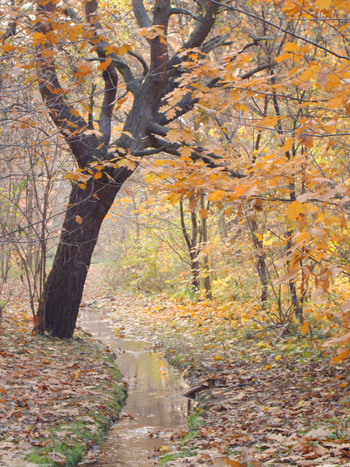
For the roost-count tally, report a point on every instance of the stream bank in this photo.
(58, 398)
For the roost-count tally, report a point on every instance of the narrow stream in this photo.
(153, 406)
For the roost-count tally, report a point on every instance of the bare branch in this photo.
(67, 120)
(183, 11)
(215, 42)
(110, 75)
(132, 84)
(141, 60)
(263, 66)
(183, 226)
(279, 28)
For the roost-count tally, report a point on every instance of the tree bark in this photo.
(207, 282)
(63, 291)
(192, 244)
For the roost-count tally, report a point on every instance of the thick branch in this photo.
(141, 15)
(110, 75)
(67, 120)
(198, 154)
(132, 84)
(215, 42)
(203, 27)
(141, 60)
(159, 46)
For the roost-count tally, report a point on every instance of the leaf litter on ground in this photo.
(57, 397)
(267, 401)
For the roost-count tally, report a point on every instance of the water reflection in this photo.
(153, 405)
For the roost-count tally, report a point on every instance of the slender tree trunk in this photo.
(207, 283)
(192, 244)
(194, 271)
(260, 264)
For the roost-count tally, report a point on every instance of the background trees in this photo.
(249, 101)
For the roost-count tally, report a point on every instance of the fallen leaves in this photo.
(49, 387)
(275, 403)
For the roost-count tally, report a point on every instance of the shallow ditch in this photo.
(154, 406)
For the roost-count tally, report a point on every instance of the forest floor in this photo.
(268, 398)
(57, 397)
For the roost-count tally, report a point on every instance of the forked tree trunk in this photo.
(144, 133)
(87, 208)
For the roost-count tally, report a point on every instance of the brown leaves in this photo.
(46, 383)
(264, 407)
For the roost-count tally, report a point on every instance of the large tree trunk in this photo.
(144, 133)
(87, 208)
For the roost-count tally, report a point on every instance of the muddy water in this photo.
(154, 406)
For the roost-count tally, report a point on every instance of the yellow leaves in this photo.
(342, 354)
(217, 195)
(105, 64)
(83, 69)
(123, 49)
(269, 121)
(294, 210)
(38, 38)
(153, 32)
(328, 80)
(291, 47)
(93, 132)
(7, 47)
(307, 76)
(186, 152)
(184, 134)
(306, 140)
(291, 8)
(74, 31)
(203, 213)
(305, 328)
(288, 145)
(78, 176)
(344, 339)
(79, 220)
(163, 449)
(323, 4)
(174, 135)
(127, 163)
(233, 463)
(331, 220)
(240, 190)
